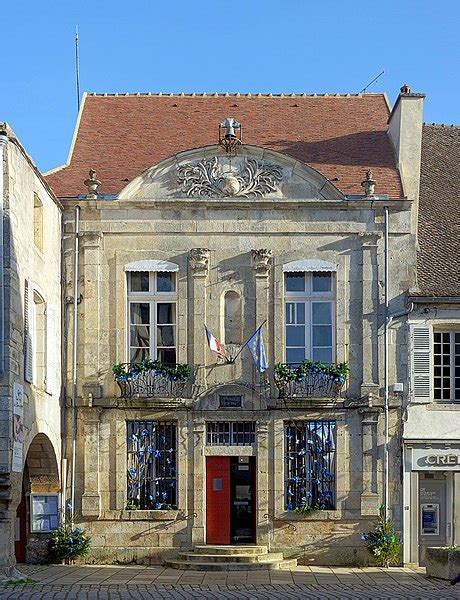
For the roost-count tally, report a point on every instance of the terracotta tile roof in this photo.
(122, 135)
(439, 212)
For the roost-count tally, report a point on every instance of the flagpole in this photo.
(246, 343)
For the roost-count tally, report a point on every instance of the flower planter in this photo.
(443, 563)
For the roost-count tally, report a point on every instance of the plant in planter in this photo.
(68, 543)
(382, 542)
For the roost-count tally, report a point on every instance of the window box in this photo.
(151, 379)
(310, 379)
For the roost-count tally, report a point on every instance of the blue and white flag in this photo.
(257, 349)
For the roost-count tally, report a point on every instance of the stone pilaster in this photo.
(369, 383)
(197, 480)
(262, 262)
(199, 268)
(91, 499)
(91, 243)
(370, 498)
(263, 484)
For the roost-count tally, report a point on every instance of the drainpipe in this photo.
(386, 368)
(3, 144)
(74, 361)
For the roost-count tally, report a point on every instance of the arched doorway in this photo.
(41, 481)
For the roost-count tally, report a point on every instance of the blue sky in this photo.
(218, 45)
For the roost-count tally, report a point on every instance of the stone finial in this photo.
(199, 261)
(92, 183)
(405, 89)
(369, 183)
(262, 260)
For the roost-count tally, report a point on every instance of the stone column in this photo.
(370, 380)
(91, 498)
(197, 479)
(199, 267)
(370, 497)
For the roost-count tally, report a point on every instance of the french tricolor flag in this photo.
(214, 344)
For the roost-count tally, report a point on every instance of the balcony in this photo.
(310, 380)
(151, 379)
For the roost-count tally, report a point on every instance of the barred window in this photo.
(228, 433)
(310, 465)
(152, 465)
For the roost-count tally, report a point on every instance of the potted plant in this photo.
(68, 543)
(382, 542)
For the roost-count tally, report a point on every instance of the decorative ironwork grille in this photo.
(152, 466)
(228, 433)
(310, 465)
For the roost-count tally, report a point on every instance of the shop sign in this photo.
(437, 459)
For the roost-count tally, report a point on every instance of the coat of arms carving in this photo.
(209, 178)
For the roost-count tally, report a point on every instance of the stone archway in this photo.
(40, 476)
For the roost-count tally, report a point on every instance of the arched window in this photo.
(38, 222)
(152, 314)
(232, 318)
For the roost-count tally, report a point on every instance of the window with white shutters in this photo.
(421, 337)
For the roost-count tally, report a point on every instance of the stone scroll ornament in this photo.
(206, 178)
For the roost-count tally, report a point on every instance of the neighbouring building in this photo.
(277, 222)
(30, 361)
(432, 417)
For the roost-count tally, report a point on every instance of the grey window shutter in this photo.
(422, 362)
(51, 349)
(29, 326)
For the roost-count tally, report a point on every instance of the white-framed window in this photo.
(309, 316)
(446, 365)
(152, 316)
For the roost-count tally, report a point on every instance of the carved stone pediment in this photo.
(209, 174)
(217, 177)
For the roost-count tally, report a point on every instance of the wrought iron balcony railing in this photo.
(310, 380)
(151, 379)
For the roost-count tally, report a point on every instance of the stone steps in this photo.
(246, 549)
(231, 558)
(237, 558)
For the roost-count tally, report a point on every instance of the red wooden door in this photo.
(218, 500)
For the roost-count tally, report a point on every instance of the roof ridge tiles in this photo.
(280, 95)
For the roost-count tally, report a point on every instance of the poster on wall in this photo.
(44, 512)
(18, 427)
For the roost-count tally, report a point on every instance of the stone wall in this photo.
(41, 267)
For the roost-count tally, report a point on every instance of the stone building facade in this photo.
(432, 420)
(283, 229)
(30, 361)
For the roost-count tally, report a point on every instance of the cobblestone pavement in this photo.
(120, 582)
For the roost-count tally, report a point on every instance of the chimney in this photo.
(405, 131)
